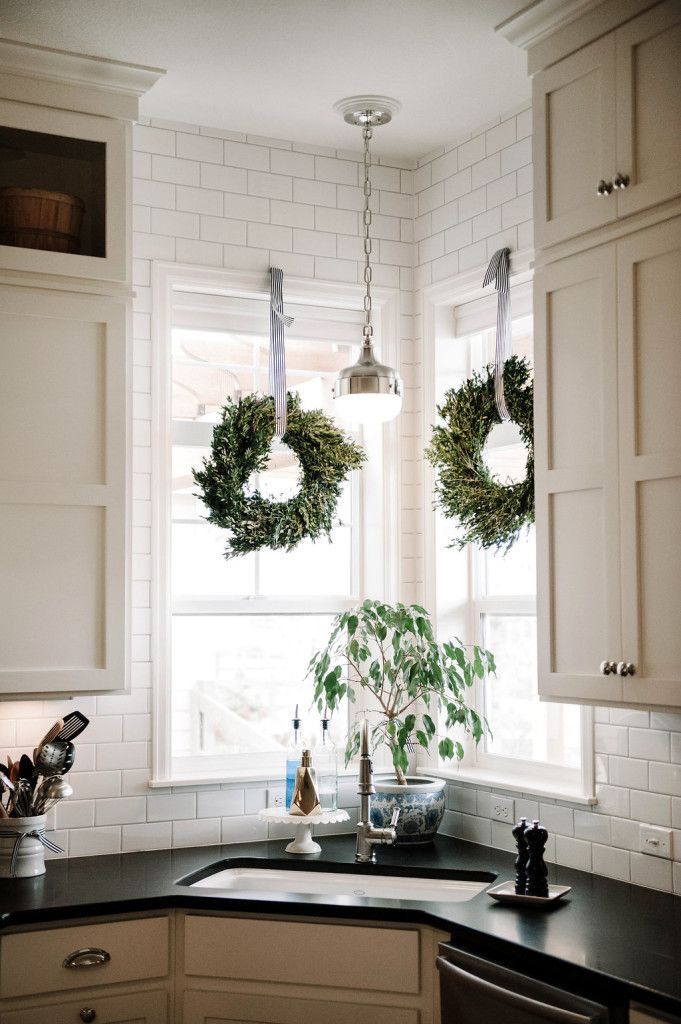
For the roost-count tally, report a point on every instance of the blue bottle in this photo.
(294, 753)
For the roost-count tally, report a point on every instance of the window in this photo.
(240, 632)
(489, 597)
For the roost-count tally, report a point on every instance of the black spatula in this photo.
(73, 726)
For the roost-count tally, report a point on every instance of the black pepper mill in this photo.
(537, 872)
(521, 860)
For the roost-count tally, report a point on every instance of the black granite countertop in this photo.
(607, 939)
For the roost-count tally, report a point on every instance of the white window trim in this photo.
(437, 303)
(169, 277)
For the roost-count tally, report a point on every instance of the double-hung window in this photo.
(236, 634)
(489, 597)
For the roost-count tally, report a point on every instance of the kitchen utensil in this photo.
(52, 790)
(26, 768)
(73, 726)
(56, 758)
(13, 770)
(22, 799)
(51, 734)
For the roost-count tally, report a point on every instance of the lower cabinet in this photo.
(234, 1008)
(134, 1008)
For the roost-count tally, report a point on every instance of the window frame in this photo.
(168, 278)
(439, 302)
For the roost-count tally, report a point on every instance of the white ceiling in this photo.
(275, 67)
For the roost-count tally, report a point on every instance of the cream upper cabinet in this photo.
(574, 142)
(602, 148)
(608, 474)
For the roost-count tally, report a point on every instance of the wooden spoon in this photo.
(50, 734)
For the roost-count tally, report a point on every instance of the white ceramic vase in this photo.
(28, 852)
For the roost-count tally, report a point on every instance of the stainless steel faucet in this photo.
(369, 837)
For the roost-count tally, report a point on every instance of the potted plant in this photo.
(391, 651)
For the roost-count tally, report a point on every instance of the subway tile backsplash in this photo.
(217, 198)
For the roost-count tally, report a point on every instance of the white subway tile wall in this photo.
(218, 198)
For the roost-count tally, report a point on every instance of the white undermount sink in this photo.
(330, 883)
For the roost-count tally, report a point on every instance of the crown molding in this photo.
(542, 18)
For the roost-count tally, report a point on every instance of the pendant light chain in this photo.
(368, 329)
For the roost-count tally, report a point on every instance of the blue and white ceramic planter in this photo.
(421, 803)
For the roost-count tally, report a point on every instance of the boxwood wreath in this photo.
(241, 445)
(491, 513)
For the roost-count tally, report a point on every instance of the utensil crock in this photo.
(17, 842)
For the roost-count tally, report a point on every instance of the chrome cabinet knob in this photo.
(626, 668)
(608, 668)
(604, 188)
(87, 1015)
(621, 180)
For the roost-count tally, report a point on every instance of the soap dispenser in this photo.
(326, 757)
(294, 753)
(305, 796)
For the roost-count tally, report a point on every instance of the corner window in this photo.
(238, 633)
(489, 597)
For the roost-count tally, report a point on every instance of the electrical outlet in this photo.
(276, 797)
(655, 841)
(502, 808)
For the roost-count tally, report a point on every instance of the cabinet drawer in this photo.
(230, 1008)
(340, 956)
(32, 962)
(140, 1008)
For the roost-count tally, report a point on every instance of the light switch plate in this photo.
(502, 808)
(655, 841)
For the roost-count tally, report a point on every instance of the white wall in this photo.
(215, 198)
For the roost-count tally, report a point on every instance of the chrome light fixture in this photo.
(368, 391)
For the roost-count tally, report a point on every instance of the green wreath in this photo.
(241, 444)
(491, 513)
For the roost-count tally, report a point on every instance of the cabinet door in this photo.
(649, 108)
(63, 419)
(574, 143)
(136, 1008)
(649, 310)
(578, 614)
(244, 1008)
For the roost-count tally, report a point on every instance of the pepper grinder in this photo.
(521, 860)
(537, 872)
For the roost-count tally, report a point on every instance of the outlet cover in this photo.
(655, 841)
(502, 808)
(276, 797)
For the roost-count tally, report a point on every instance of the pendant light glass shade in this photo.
(368, 392)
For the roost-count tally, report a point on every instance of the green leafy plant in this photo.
(391, 651)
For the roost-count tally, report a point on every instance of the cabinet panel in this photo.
(649, 328)
(574, 139)
(342, 956)
(578, 612)
(63, 475)
(140, 1008)
(232, 1008)
(649, 107)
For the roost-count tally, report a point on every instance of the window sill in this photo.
(230, 778)
(480, 777)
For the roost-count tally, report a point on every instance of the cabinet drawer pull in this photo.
(87, 1015)
(604, 188)
(91, 956)
(621, 180)
(626, 668)
(608, 668)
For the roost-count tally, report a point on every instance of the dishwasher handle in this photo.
(472, 990)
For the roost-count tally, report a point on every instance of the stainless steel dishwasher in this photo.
(477, 991)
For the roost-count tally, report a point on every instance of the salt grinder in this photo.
(537, 872)
(521, 859)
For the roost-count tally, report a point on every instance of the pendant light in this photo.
(368, 391)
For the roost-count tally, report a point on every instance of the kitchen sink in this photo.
(441, 888)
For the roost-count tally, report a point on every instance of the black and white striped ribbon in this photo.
(277, 360)
(498, 271)
(37, 833)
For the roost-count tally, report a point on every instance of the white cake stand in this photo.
(303, 842)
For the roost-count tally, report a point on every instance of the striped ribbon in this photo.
(277, 360)
(498, 271)
(37, 833)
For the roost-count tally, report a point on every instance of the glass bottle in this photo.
(294, 754)
(326, 759)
